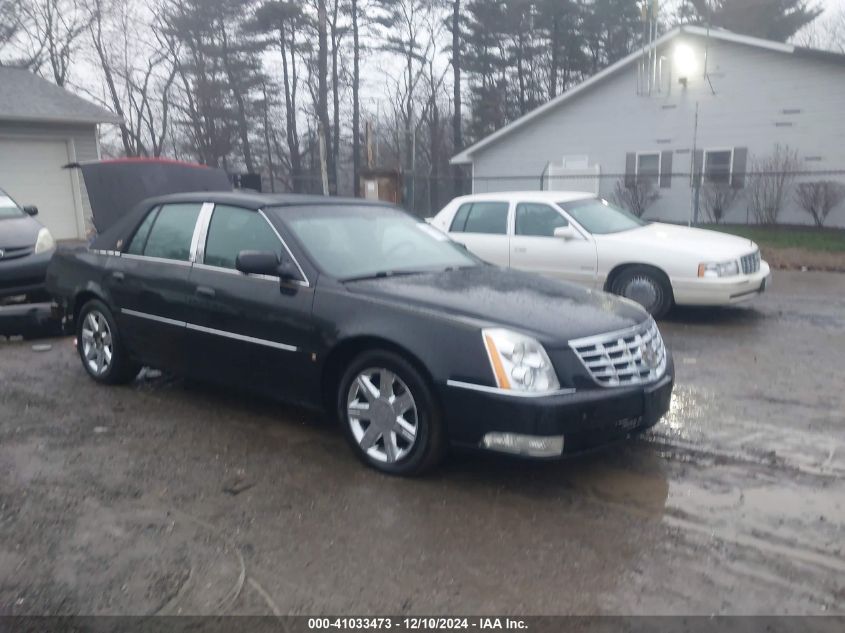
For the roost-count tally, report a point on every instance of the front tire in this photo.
(389, 414)
(647, 286)
(100, 347)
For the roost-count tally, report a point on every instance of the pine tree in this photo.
(769, 19)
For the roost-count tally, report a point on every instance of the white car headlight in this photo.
(718, 269)
(44, 242)
(519, 362)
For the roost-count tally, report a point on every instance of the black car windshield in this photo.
(350, 242)
(8, 208)
(600, 217)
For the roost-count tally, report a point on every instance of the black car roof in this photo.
(114, 237)
(255, 200)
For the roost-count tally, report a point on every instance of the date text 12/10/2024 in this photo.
(416, 623)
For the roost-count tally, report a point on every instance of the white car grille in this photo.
(750, 263)
(630, 357)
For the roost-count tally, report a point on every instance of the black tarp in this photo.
(116, 186)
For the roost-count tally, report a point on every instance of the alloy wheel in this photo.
(97, 344)
(382, 414)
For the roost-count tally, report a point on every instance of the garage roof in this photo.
(27, 97)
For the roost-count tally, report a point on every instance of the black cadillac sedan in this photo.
(364, 311)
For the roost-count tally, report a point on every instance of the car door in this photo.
(249, 329)
(483, 228)
(148, 285)
(534, 246)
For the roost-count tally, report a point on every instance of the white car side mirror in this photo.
(566, 232)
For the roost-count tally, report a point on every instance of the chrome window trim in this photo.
(508, 392)
(153, 317)
(242, 337)
(201, 232)
(208, 330)
(306, 283)
(232, 271)
(162, 260)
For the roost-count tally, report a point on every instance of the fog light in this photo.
(531, 445)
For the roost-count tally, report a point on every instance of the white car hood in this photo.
(681, 239)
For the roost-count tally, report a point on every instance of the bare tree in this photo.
(356, 104)
(819, 198)
(716, 199)
(11, 27)
(53, 29)
(769, 181)
(637, 197)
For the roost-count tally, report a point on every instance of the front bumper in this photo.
(587, 419)
(723, 291)
(25, 276)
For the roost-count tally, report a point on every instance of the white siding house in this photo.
(42, 128)
(717, 100)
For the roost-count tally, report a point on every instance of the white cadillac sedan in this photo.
(578, 237)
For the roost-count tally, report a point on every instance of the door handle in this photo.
(205, 291)
(520, 249)
(118, 276)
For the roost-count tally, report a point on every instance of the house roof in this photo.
(465, 156)
(25, 96)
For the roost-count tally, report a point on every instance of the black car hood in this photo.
(18, 232)
(553, 311)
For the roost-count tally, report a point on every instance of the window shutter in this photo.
(740, 166)
(697, 164)
(666, 169)
(630, 169)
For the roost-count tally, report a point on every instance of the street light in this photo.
(685, 62)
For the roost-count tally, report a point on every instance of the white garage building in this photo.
(42, 128)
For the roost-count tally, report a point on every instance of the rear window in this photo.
(172, 231)
(139, 241)
(481, 217)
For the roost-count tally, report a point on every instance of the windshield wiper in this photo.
(385, 273)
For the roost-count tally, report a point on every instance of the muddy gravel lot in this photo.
(167, 497)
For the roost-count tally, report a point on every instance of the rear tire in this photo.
(647, 286)
(100, 347)
(389, 414)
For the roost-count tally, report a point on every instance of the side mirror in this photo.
(257, 263)
(30, 210)
(287, 271)
(566, 232)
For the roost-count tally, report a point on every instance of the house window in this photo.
(717, 166)
(648, 168)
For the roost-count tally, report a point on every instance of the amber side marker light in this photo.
(496, 361)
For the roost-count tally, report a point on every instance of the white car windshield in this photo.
(8, 208)
(350, 242)
(599, 216)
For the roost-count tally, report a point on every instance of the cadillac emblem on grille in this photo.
(648, 355)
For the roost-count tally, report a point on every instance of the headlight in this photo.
(718, 269)
(44, 242)
(519, 362)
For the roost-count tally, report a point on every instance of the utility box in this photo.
(382, 184)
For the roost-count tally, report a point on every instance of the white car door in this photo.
(483, 228)
(535, 247)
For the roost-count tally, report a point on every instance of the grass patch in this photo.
(788, 236)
